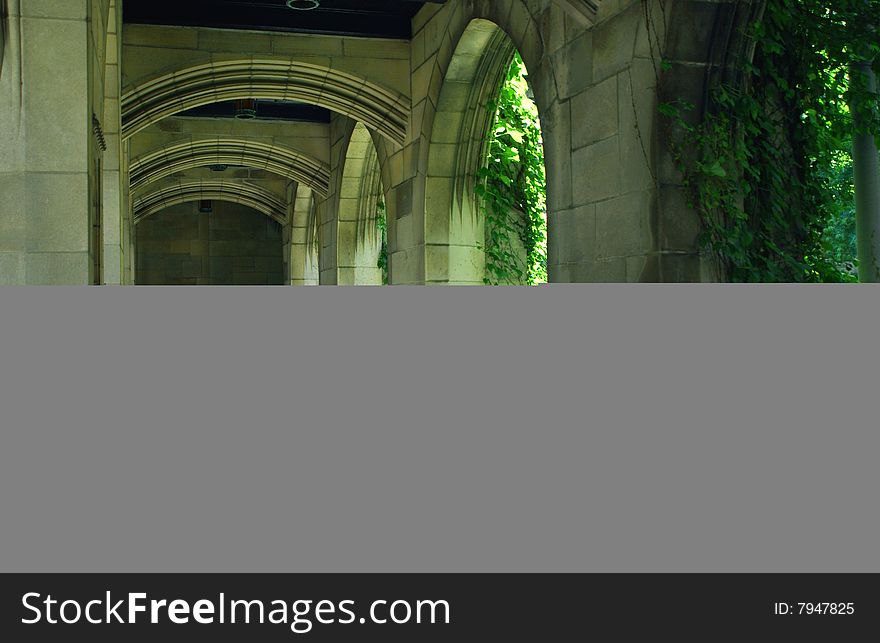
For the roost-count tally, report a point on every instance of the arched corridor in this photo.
(232, 244)
(361, 128)
(471, 287)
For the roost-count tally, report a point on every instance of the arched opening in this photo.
(350, 237)
(209, 242)
(485, 187)
(512, 186)
(360, 225)
(224, 232)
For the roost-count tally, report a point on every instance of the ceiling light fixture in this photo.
(303, 5)
(246, 109)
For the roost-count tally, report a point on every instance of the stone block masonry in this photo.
(233, 245)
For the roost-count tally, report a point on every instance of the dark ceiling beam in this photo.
(265, 110)
(390, 19)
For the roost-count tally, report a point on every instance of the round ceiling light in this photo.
(303, 5)
(245, 109)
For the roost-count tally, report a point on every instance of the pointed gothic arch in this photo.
(175, 91)
(241, 192)
(201, 152)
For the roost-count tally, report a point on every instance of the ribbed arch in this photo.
(382, 109)
(358, 243)
(459, 146)
(241, 192)
(473, 80)
(278, 159)
(361, 173)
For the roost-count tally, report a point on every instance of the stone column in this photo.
(303, 260)
(45, 130)
(327, 208)
(287, 233)
(113, 180)
(866, 169)
(358, 241)
(128, 235)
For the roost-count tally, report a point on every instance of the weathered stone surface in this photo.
(594, 77)
(174, 249)
(595, 172)
(593, 113)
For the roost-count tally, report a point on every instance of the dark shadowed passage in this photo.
(231, 245)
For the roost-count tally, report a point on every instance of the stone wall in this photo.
(615, 206)
(234, 245)
(51, 85)
(3, 27)
(615, 211)
(116, 229)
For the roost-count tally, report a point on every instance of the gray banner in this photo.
(569, 428)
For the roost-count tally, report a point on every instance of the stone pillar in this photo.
(454, 222)
(113, 180)
(128, 236)
(866, 169)
(599, 152)
(303, 259)
(2, 33)
(349, 252)
(358, 241)
(287, 234)
(45, 134)
(327, 208)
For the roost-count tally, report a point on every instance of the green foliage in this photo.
(839, 236)
(768, 167)
(382, 227)
(512, 187)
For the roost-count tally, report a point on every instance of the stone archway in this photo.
(382, 109)
(241, 192)
(303, 241)
(358, 242)
(192, 153)
(423, 245)
(349, 243)
(454, 228)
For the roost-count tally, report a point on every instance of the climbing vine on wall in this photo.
(766, 167)
(512, 187)
(382, 228)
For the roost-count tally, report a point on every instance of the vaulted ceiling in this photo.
(366, 18)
